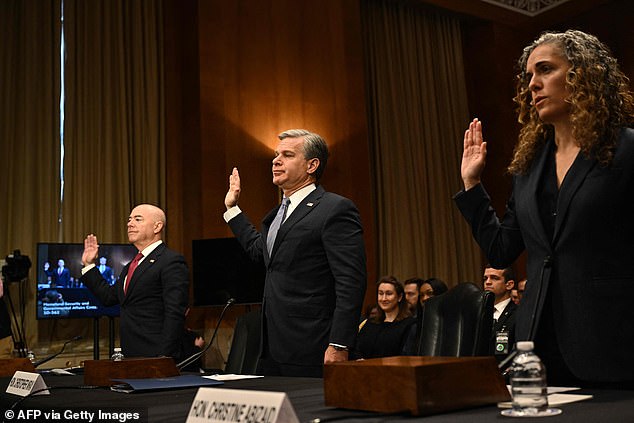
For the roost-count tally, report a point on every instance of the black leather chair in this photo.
(457, 323)
(245, 346)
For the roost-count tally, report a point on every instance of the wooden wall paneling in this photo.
(182, 124)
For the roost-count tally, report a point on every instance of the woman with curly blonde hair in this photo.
(571, 209)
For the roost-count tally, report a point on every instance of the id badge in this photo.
(501, 343)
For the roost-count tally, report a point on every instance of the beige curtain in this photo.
(418, 111)
(113, 128)
(113, 153)
(114, 136)
(29, 137)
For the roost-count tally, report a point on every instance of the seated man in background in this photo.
(191, 343)
(152, 290)
(500, 282)
(412, 287)
(518, 291)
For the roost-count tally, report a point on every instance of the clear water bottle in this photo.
(31, 356)
(529, 389)
(117, 355)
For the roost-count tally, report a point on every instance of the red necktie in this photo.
(131, 270)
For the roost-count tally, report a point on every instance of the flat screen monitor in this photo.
(222, 270)
(60, 293)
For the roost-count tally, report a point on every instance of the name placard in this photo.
(215, 405)
(23, 383)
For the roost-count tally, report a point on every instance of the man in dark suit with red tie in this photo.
(313, 250)
(152, 290)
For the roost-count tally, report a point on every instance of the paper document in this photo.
(555, 396)
(231, 377)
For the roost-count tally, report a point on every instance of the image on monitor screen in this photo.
(222, 270)
(60, 293)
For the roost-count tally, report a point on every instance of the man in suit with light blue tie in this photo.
(152, 290)
(313, 250)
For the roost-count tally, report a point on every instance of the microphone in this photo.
(50, 357)
(505, 365)
(195, 356)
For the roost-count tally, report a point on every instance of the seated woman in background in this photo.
(385, 335)
(430, 288)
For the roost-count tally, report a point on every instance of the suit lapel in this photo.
(572, 181)
(142, 267)
(505, 314)
(532, 184)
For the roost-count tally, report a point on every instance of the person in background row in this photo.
(571, 208)
(518, 291)
(430, 288)
(500, 282)
(372, 312)
(191, 343)
(385, 336)
(412, 294)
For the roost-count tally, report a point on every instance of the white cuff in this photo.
(231, 213)
(86, 269)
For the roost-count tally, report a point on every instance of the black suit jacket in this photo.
(315, 277)
(63, 279)
(587, 268)
(153, 310)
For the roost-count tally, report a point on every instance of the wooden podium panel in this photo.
(99, 372)
(8, 366)
(420, 385)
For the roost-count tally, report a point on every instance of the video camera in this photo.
(17, 267)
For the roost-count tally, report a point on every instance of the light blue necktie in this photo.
(275, 225)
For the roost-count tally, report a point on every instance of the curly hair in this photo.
(601, 102)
